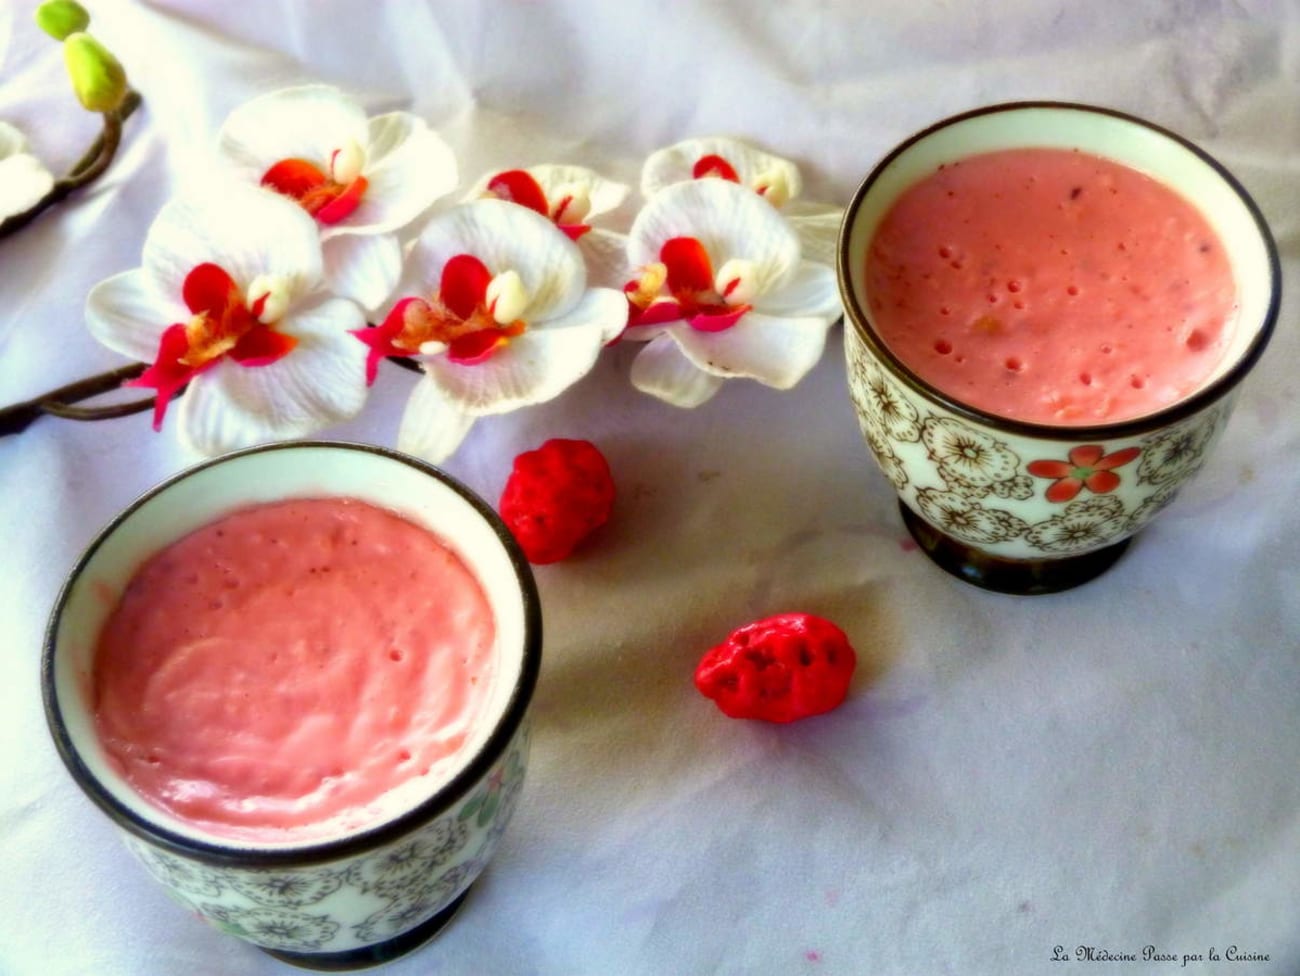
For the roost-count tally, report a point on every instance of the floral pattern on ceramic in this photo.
(1016, 496)
(1087, 466)
(360, 900)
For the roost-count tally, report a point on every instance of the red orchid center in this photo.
(473, 314)
(686, 271)
(521, 187)
(714, 165)
(329, 197)
(223, 323)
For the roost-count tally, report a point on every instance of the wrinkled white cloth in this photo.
(1112, 767)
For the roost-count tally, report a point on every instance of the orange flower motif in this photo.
(1088, 467)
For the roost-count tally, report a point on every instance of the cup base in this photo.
(374, 955)
(1020, 577)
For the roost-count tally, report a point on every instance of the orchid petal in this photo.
(518, 186)
(728, 220)
(387, 134)
(319, 383)
(24, 180)
(245, 230)
(777, 352)
(308, 122)
(658, 313)
(818, 227)
(537, 365)
(208, 288)
(362, 267)
(605, 254)
(714, 165)
(503, 236)
(812, 291)
(661, 370)
(378, 339)
(12, 140)
(605, 195)
(262, 347)
(717, 323)
(432, 426)
(676, 164)
(605, 307)
(476, 347)
(167, 374)
(463, 284)
(341, 207)
(410, 167)
(293, 177)
(126, 314)
(689, 266)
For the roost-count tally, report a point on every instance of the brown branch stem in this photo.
(87, 169)
(17, 418)
(63, 402)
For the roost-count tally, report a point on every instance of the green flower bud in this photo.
(59, 18)
(97, 76)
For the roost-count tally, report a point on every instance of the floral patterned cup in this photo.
(1029, 508)
(357, 899)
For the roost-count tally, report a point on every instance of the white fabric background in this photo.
(1116, 766)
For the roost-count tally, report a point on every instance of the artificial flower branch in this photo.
(64, 401)
(86, 170)
(254, 291)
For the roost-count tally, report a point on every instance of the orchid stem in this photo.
(87, 169)
(63, 401)
(20, 416)
(406, 363)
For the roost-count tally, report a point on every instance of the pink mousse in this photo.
(1051, 286)
(294, 670)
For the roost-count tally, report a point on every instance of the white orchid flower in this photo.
(720, 290)
(494, 304)
(228, 304)
(570, 196)
(774, 178)
(361, 179)
(24, 180)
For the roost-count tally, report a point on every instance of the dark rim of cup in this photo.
(1100, 432)
(232, 854)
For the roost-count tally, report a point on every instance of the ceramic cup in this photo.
(969, 489)
(357, 899)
